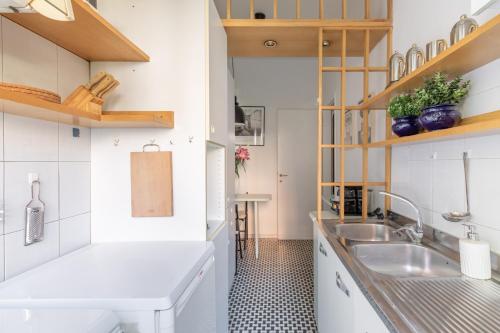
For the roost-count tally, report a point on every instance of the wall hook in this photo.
(116, 142)
(191, 139)
(171, 141)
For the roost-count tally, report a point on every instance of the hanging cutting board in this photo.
(152, 188)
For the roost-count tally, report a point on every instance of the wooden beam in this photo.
(367, 9)
(252, 9)
(388, 130)
(342, 124)
(366, 114)
(321, 9)
(319, 167)
(298, 9)
(228, 9)
(275, 9)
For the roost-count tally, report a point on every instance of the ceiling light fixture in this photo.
(270, 44)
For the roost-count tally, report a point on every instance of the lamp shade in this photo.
(60, 10)
(239, 115)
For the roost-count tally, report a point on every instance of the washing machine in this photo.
(58, 321)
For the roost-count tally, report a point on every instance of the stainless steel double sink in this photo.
(380, 250)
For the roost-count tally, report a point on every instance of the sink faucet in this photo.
(414, 232)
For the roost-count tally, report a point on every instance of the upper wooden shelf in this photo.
(475, 50)
(299, 37)
(28, 106)
(486, 122)
(89, 36)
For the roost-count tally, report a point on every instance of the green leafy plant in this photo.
(439, 90)
(404, 105)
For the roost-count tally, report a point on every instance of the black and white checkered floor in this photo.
(275, 292)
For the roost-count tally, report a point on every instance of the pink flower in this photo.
(242, 154)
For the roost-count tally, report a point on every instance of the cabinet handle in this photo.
(322, 250)
(341, 285)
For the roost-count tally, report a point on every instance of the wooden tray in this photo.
(36, 92)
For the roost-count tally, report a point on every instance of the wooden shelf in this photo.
(28, 106)
(486, 122)
(299, 38)
(89, 36)
(475, 50)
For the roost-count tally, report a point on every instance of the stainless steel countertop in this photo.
(454, 304)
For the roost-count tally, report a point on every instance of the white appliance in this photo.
(58, 321)
(153, 287)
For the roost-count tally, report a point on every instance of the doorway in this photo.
(296, 172)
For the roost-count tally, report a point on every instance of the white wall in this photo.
(432, 173)
(49, 149)
(173, 34)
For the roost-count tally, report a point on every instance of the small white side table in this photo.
(255, 198)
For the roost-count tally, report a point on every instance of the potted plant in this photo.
(405, 109)
(439, 99)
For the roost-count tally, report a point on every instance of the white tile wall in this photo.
(74, 188)
(74, 232)
(19, 258)
(49, 149)
(18, 191)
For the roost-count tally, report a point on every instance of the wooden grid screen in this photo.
(343, 69)
(321, 6)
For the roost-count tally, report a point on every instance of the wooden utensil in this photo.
(152, 188)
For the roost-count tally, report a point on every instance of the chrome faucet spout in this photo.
(416, 233)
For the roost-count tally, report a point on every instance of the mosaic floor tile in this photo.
(275, 292)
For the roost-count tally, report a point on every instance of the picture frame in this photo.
(252, 131)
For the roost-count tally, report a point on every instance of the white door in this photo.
(297, 135)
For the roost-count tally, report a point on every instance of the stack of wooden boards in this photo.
(35, 92)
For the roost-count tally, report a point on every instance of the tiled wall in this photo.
(49, 149)
(432, 173)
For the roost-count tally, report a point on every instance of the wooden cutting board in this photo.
(152, 190)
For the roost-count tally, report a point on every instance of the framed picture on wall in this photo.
(251, 131)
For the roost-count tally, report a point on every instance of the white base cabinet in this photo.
(340, 306)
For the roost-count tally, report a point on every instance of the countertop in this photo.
(125, 276)
(454, 304)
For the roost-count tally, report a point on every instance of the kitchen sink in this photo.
(366, 232)
(405, 260)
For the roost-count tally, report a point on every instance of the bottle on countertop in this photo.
(475, 261)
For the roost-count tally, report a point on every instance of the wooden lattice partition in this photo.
(343, 69)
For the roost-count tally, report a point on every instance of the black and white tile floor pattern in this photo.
(275, 292)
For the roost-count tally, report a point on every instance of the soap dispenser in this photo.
(475, 259)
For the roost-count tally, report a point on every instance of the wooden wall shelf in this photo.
(486, 122)
(89, 36)
(28, 106)
(298, 38)
(476, 50)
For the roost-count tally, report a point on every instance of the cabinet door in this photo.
(335, 305)
(217, 71)
(366, 320)
(343, 284)
(326, 291)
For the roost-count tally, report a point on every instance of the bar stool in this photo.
(242, 217)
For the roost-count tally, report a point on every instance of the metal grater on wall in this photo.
(34, 216)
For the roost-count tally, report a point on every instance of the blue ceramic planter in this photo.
(405, 126)
(438, 117)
